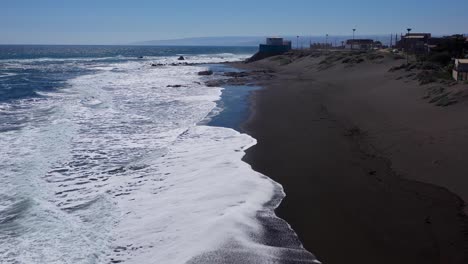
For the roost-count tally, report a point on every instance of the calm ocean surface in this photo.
(102, 162)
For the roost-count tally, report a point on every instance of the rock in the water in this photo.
(181, 58)
(205, 73)
(236, 74)
(175, 86)
(156, 65)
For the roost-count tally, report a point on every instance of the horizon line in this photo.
(140, 42)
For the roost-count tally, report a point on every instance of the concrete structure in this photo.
(455, 45)
(288, 44)
(415, 42)
(274, 41)
(275, 45)
(460, 71)
(319, 46)
(378, 45)
(359, 44)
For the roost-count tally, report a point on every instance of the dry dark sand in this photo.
(372, 173)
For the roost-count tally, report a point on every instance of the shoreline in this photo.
(363, 206)
(236, 103)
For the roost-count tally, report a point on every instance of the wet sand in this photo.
(372, 173)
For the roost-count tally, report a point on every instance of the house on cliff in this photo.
(275, 45)
(455, 45)
(359, 44)
(460, 71)
(416, 43)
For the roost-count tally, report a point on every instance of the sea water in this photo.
(106, 159)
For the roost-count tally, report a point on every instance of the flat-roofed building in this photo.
(456, 45)
(274, 41)
(460, 71)
(275, 45)
(415, 42)
(319, 46)
(359, 44)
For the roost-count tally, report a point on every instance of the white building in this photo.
(359, 44)
(274, 41)
(460, 71)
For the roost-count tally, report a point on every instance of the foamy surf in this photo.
(115, 169)
(200, 198)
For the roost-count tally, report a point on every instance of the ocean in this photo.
(106, 159)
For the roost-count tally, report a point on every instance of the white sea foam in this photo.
(7, 74)
(191, 58)
(199, 198)
(115, 168)
(47, 59)
(200, 59)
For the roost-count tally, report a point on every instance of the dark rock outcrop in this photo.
(262, 55)
(205, 73)
(236, 74)
(181, 58)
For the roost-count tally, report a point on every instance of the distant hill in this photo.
(253, 40)
(206, 41)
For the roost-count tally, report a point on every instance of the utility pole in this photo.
(326, 42)
(407, 48)
(297, 42)
(352, 44)
(391, 41)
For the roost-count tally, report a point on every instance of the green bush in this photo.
(277, 58)
(284, 61)
(442, 58)
(430, 66)
(426, 77)
(325, 61)
(421, 57)
(375, 56)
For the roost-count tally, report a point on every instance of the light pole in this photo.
(352, 44)
(407, 44)
(326, 42)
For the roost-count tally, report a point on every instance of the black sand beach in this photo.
(350, 199)
(236, 104)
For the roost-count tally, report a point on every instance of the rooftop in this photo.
(414, 37)
(360, 41)
(419, 34)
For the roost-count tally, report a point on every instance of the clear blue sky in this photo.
(120, 22)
